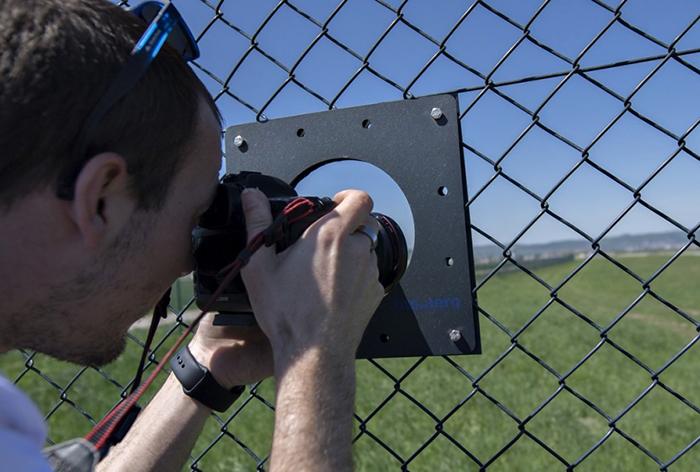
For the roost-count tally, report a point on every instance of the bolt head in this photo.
(436, 113)
(238, 141)
(455, 335)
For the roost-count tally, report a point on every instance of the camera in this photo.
(221, 235)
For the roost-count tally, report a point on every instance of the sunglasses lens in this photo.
(179, 38)
(180, 41)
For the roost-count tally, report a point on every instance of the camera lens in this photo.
(392, 252)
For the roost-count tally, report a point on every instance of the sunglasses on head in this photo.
(165, 24)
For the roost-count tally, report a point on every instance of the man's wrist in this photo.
(198, 382)
(204, 356)
(314, 358)
(173, 387)
(313, 415)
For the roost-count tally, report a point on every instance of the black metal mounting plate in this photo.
(432, 311)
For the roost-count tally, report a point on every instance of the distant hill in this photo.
(624, 243)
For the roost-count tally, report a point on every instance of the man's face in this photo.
(93, 312)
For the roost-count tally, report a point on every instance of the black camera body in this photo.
(221, 235)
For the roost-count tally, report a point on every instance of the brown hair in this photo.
(57, 58)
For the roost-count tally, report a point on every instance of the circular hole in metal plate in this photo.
(389, 199)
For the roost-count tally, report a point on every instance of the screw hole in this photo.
(384, 338)
(442, 190)
(366, 124)
(449, 261)
(301, 132)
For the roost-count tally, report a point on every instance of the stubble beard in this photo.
(85, 321)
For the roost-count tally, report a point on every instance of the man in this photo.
(77, 271)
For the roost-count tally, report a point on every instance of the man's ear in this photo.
(102, 202)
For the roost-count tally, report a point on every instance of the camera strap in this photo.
(114, 426)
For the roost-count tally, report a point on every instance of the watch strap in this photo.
(198, 383)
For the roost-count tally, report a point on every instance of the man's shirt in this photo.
(22, 431)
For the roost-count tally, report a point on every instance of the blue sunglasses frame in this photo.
(164, 24)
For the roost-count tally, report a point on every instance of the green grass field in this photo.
(650, 331)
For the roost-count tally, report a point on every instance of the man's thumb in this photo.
(256, 208)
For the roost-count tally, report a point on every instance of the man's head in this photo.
(81, 271)
(57, 59)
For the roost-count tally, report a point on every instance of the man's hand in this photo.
(234, 355)
(313, 301)
(320, 292)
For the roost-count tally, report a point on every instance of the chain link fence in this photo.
(591, 360)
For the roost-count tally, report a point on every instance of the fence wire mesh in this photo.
(589, 362)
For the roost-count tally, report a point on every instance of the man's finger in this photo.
(256, 209)
(353, 208)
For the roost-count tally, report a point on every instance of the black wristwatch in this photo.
(198, 383)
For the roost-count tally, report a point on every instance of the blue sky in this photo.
(631, 150)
